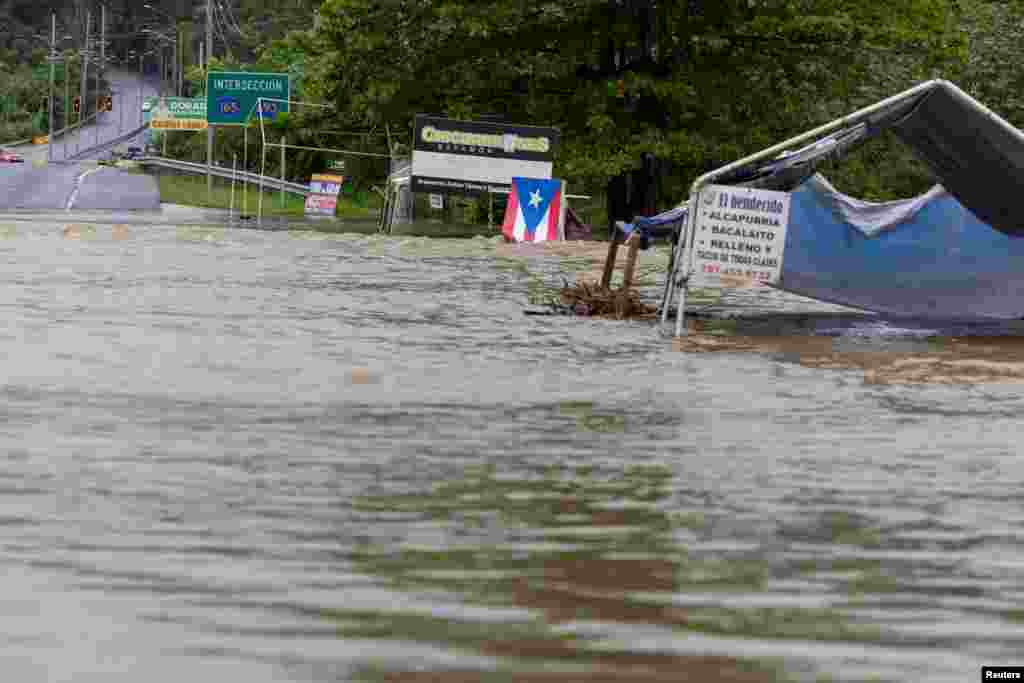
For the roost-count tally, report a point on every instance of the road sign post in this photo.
(232, 96)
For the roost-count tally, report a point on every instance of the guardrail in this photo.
(226, 173)
(16, 143)
(104, 146)
(56, 133)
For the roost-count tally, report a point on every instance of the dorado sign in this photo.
(178, 113)
(476, 157)
(231, 97)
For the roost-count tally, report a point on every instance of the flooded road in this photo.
(286, 456)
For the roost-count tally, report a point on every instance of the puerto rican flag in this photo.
(535, 211)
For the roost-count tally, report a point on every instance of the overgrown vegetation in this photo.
(192, 191)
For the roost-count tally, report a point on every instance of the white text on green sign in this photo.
(232, 97)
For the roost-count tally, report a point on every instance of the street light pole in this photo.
(67, 102)
(96, 120)
(209, 128)
(53, 68)
(85, 68)
(101, 67)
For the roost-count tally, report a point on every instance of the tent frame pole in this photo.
(683, 247)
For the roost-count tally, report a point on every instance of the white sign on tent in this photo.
(740, 236)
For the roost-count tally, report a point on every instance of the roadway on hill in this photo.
(75, 186)
(38, 185)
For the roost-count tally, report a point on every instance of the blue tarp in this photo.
(651, 226)
(927, 256)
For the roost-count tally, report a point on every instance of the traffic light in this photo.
(78, 105)
(617, 89)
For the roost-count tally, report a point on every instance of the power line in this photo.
(217, 27)
(231, 16)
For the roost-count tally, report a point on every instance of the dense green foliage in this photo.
(704, 81)
(241, 27)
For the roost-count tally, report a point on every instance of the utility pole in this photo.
(67, 101)
(179, 43)
(209, 129)
(96, 120)
(85, 68)
(101, 69)
(174, 66)
(53, 68)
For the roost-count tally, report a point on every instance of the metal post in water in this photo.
(245, 166)
(666, 295)
(263, 169)
(234, 170)
(681, 311)
(686, 238)
(283, 142)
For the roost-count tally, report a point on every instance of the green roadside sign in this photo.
(231, 97)
(177, 113)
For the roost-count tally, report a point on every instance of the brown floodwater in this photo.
(289, 456)
(939, 357)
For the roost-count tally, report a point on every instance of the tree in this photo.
(697, 83)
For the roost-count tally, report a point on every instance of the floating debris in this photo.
(590, 299)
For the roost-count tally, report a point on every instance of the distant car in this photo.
(8, 156)
(133, 153)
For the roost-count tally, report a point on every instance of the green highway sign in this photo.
(231, 96)
(177, 113)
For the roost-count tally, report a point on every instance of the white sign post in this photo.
(740, 237)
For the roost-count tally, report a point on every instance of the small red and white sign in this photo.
(321, 205)
(323, 198)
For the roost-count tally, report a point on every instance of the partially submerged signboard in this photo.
(231, 96)
(323, 194)
(474, 158)
(178, 113)
(740, 236)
